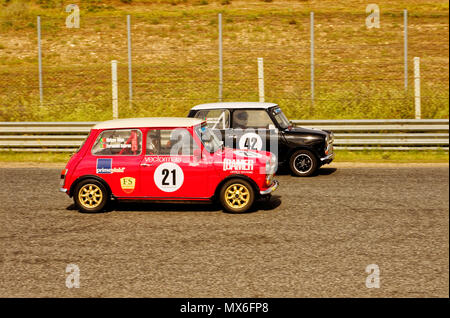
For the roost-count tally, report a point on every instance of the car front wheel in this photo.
(303, 163)
(90, 196)
(237, 196)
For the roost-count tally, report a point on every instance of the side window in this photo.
(251, 119)
(118, 142)
(215, 118)
(170, 142)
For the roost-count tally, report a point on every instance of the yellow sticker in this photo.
(127, 184)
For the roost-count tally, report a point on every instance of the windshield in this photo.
(208, 138)
(280, 117)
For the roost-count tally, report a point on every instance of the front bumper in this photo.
(327, 159)
(269, 190)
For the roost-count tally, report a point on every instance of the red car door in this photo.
(169, 171)
(116, 155)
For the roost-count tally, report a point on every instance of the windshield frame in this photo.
(218, 144)
(276, 119)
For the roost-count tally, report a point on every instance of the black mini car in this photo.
(263, 126)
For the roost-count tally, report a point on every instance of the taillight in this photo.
(63, 176)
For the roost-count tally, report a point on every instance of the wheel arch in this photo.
(236, 176)
(297, 148)
(97, 178)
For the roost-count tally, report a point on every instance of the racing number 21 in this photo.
(169, 177)
(166, 173)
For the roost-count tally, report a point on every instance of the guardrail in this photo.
(390, 134)
(385, 134)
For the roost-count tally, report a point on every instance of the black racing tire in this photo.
(236, 196)
(90, 196)
(303, 163)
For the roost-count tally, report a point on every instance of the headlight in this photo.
(329, 138)
(271, 164)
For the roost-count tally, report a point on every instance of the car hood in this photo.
(306, 131)
(255, 155)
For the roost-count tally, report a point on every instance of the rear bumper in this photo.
(269, 190)
(62, 190)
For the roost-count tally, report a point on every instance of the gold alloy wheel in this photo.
(90, 196)
(237, 196)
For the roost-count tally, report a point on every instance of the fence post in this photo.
(312, 56)
(41, 91)
(405, 35)
(220, 60)
(417, 87)
(115, 101)
(261, 79)
(130, 72)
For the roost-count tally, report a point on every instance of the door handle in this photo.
(146, 164)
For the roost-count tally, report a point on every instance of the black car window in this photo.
(251, 119)
(215, 118)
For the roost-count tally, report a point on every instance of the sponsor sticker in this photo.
(127, 184)
(161, 159)
(238, 164)
(104, 166)
(117, 142)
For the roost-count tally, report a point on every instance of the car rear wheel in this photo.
(303, 163)
(90, 196)
(237, 196)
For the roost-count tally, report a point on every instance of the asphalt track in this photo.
(314, 239)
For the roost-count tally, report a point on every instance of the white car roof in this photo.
(169, 122)
(234, 105)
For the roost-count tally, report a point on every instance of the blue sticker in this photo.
(104, 166)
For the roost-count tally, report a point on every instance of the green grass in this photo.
(43, 157)
(373, 156)
(379, 156)
(175, 62)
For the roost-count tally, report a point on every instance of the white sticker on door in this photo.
(249, 154)
(169, 177)
(251, 141)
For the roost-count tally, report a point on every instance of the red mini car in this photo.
(164, 159)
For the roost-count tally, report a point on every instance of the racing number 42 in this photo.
(250, 143)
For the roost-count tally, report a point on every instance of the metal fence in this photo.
(315, 66)
(398, 134)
